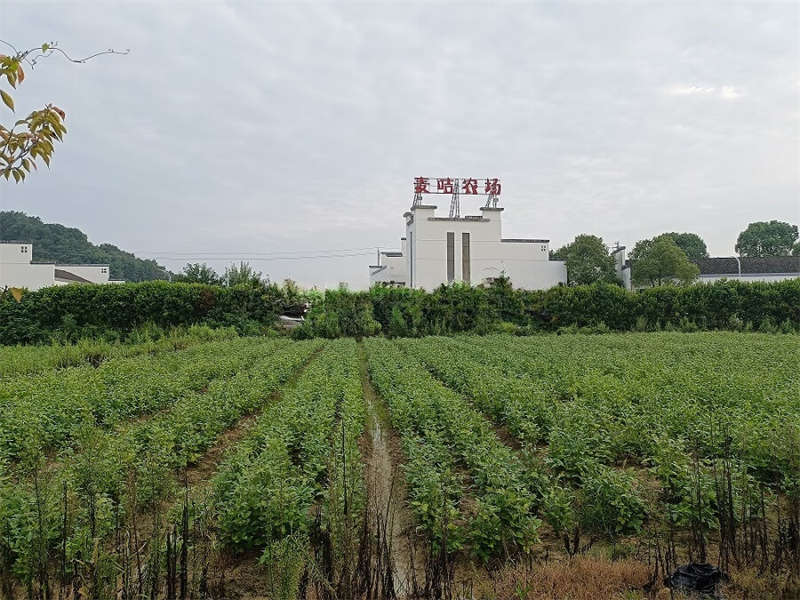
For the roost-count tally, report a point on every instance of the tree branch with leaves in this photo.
(32, 138)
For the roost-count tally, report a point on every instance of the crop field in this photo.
(552, 466)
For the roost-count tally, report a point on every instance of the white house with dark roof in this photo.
(767, 268)
(471, 249)
(18, 270)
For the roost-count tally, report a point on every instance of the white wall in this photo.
(32, 277)
(16, 269)
(392, 270)
(94, 273)
(749, 277)
(526, 263)
(15, 253)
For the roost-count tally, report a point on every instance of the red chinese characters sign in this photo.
(465, 185)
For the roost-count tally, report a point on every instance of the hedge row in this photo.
(96, 310)
(404, 312)
(92, 309)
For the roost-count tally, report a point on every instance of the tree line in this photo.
(669, 257)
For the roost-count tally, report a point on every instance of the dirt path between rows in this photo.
(389, 516)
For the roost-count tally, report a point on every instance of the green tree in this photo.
(199, 273)
(767, 238)
(587, 261)
(796, 249)
(692, 244)
(659, 261)
(32, 138)
(241, 274)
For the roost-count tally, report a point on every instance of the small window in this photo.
(544, 248)
(23, 249)
(104, 270)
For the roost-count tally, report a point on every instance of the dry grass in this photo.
(582, 578)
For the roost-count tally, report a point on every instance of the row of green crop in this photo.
(111, 475)
(619, 394)
(47, 410)
(674, 404)
(454, 455)
(296, 456)
(26, 360)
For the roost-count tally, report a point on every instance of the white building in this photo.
(469, 249)
(17, 270)
(766, 268)
(747, 269)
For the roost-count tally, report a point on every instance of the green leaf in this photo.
(7, 100)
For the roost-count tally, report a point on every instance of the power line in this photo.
(197, 253)
(262, 258)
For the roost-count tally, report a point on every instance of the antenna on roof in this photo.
(455, 203)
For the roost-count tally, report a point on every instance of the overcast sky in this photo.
(243, 129)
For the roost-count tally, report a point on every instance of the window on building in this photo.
(465, 267)
(23, 249)
(451, 256)
(104, 270)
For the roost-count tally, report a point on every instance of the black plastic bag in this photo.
(696, 577)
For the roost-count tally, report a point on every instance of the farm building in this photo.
(469, 249)
(766, 268)
(17, 270)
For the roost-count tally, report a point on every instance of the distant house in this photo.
(18, 270)
(768, 268)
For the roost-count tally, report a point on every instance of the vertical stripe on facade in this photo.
(451, 256)
(410, 259)
(465, 267)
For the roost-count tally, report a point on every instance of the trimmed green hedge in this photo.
(99, 309)
(121, 308)
(404, 312)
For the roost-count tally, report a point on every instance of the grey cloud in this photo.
(250, 127)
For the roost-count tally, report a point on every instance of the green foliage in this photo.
(114, 313)
(241, 274)
(660, 261)
(199, 273)
(588, 261)
(692, 244)
(68, 245)
(108, 463)
(266, 489)
(342, 313)
(438, 427)
(94, 310)
(767, 238)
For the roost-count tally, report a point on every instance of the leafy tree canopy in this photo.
(659, 261)
(767, 238)
(198, 273)
(692, 244)
(55, 243)
(241, 274)
(587, 260)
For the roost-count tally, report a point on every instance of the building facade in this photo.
(766, 268)
(440, 250)
(17, 270)
(741, 268)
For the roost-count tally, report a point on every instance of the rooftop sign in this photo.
(464, 185)
(455, 187)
